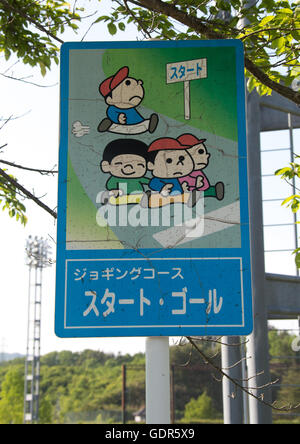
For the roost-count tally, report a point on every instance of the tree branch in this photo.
(22, 13)
(28, 82)
(205, 30)
(27, 193)
(238, 385)
(35, 170)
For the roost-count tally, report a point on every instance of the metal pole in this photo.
(172, 394)
(157, 381)
(37, 251)
(26, 376)
(35, 376)
(124, 393)
(290, 125)
(245, 384)
(258, 345)
(232, 366)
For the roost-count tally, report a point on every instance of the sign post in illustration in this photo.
(185, 72)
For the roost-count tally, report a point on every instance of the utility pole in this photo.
(258, 345)
(158, 380)
(232, 366)
(124, 394)
(37, 250)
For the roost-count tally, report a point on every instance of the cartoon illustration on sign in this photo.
(197, 180)
(168, 161)
(176, 166)
(123, 94)
(185, 72)
(126, 162)
(153, 220)
(80, 130)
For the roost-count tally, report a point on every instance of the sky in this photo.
(32, 139)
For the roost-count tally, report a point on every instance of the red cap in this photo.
(166, 143)
(189, 140)
(112, 82)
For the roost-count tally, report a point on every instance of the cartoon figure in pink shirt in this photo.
(197, 180)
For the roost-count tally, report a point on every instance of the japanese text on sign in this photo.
(110, 301)
(108, 294)
(186, 71)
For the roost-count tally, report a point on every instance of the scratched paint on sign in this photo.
(153, 230)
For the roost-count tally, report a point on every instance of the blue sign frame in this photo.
(182, 291)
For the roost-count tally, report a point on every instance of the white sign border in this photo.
(153, 326)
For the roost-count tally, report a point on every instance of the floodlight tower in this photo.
(37, 253)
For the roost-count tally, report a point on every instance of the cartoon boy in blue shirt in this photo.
(123, 94)
(169, 160)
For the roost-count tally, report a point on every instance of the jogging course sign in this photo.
(153, 223)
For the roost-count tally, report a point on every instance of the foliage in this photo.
(30, 30)
(34, 45)
(200, 408)
(290, 379)
(87, 387)
(284, 363)
(192, 377)
(281, 346)
(10, 201)
(89, 384)
(270, 31)
(289, 174)
(11, 397)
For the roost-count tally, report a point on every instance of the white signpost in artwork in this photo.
(185, 72)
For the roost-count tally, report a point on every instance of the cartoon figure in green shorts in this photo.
(126, 162)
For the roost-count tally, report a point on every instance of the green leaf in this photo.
(297, 260)
(7, 54)
(251, 84)
(104, 18)
(286, 11)
(112, 28)
(279, 43)
(43, 69)
(282, 171)
(266, 20)
(288, 199)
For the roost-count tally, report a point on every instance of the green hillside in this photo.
(86, 387)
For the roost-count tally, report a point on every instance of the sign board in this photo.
(153, 224)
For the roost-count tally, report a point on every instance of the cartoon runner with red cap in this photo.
(123, 94)
(169, 161)
(197, 180)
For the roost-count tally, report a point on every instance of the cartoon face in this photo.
(199, 155)
(171, 164)
(127, 94)
(125, 165)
